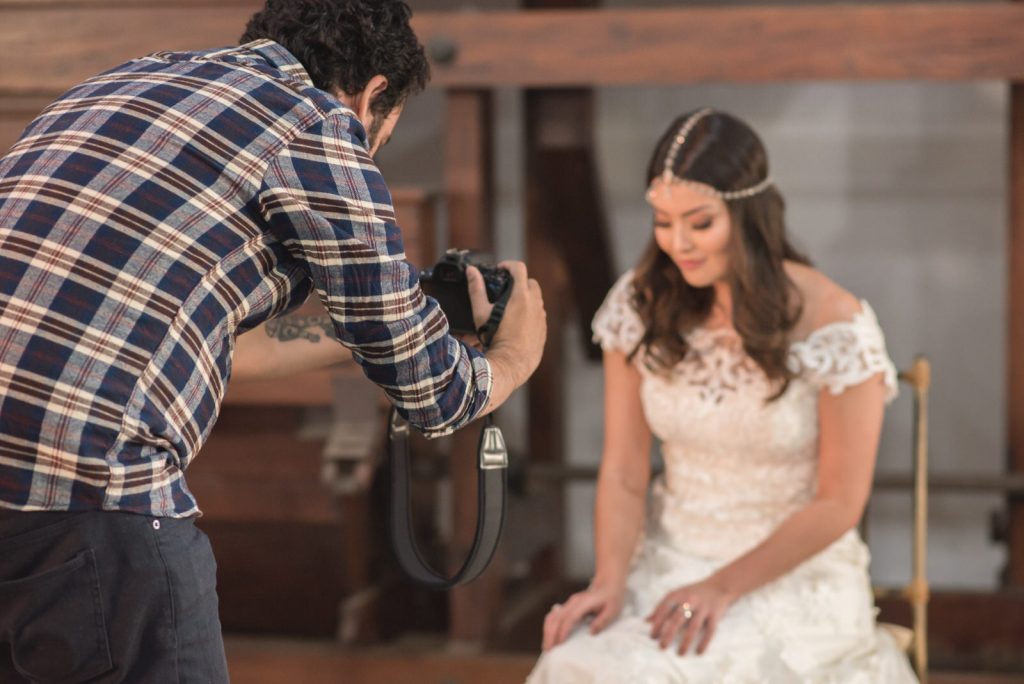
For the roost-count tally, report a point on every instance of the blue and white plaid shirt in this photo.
(153, 213)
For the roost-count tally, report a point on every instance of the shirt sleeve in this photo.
(327, 203)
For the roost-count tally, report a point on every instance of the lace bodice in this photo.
(736, 466)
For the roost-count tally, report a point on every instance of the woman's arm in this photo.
(624, 475)
(851, 424)
(619, 507)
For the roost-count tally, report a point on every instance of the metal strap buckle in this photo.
(398, 425)
(493, 453)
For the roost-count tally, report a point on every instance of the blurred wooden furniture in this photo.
(916, 592)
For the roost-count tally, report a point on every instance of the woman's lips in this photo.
(690, 264)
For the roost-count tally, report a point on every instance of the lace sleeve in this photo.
(616, 325)
(846, 353)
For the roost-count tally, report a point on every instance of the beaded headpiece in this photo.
(668, 176)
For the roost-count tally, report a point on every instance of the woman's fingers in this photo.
(551, 624)
(666, 610)
(561, 619)
(661, 612)
(690, 629)
(670, 629)
(603, 618)
(574, 610)
(709, 631)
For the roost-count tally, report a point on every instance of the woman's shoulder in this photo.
(837, 342)
(824, 302)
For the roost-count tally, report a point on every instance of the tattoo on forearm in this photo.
(308, 328)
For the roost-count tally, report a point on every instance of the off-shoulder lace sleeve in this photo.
(845, 353)
(616, 325)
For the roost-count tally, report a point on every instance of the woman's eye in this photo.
(662, 224)
(703, 225)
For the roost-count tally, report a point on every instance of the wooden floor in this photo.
(275, 661)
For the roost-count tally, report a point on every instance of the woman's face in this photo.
(693, 229)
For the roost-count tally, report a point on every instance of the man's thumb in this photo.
(478, 296)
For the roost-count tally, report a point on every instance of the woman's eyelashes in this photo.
(702, 224)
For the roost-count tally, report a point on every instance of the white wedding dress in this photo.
(735, 468)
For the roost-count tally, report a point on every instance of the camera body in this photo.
(446, 282)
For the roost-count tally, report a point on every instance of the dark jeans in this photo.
(107, 597)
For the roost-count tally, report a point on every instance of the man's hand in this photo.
(518, 345)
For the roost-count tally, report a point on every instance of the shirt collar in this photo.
(279, 58)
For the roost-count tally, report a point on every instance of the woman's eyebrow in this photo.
(703, 207)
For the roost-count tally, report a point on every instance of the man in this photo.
(147, 218)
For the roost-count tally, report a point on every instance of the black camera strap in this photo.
(492, 487)
(492, 476)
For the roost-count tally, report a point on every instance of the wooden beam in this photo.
(572, 201)
(48, 49)
(881, 41)
(575, 47)
(474, 609)
(547, 125)
(15, 114)
(1015, 318)
(109, 4)
(468, 175)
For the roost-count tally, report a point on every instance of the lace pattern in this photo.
(846, 353)
(836, 356)
(616, 325)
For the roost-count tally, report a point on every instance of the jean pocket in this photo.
(54, 622)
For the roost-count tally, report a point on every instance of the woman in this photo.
(765, 383)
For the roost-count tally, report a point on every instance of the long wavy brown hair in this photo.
(725, 153)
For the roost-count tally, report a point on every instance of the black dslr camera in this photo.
(447, 283)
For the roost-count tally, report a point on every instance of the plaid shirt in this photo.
(149, 216)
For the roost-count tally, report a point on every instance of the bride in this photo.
(765, 383)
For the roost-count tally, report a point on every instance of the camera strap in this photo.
(492, 477)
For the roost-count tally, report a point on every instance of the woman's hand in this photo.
(691, 611)
(605, 602)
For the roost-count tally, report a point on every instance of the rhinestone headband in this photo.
(668, 176)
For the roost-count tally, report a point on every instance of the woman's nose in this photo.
(681, 239)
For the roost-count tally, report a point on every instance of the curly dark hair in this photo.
(345, 43)
(725, 153)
